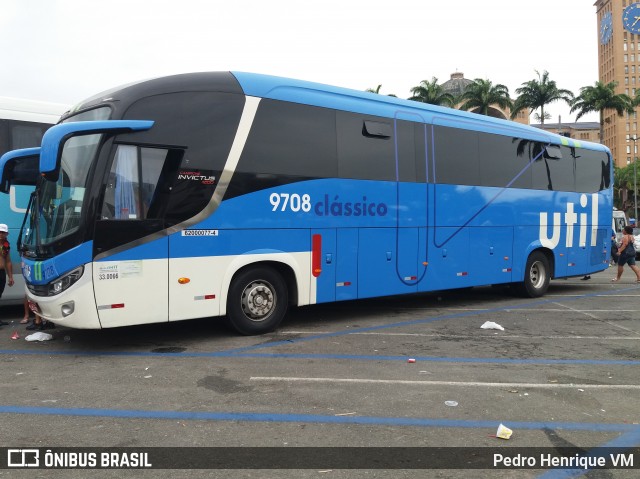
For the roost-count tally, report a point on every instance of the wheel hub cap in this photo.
(258, 300)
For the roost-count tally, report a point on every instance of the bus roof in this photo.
(316, 94)
(30, 110)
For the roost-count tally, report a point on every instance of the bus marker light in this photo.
(506, 258)
(410, 278)
(411, 360)
(506, 270)
(183, 280)
(316, 252)
(111, 306)
(464, 273)
(346, 283)
(424, 263)
(206, 296)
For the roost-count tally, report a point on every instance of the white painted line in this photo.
(550, 310)
(591, 297)
(469, 336)
(446, 383)
(598, 319)
(516, 309)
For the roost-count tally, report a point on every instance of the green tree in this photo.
(536, 94)
(376, 90)
(623, 194)
(480, 95)
(432, 93)
(600, 98)
(619, 184)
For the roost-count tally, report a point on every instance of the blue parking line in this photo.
(422, 321)
(626, 441)
(349, 357)
(247, 352)
(315, 419)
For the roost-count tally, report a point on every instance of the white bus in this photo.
(619, 221)
(22, 124)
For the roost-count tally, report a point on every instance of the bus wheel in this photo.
(257, 301)
(536, 276)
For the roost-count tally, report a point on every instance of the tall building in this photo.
(619, 61)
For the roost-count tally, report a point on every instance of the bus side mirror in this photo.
(55, 137)
(19, 167)
(553, 152)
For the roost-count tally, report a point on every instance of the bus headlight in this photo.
(64, 282)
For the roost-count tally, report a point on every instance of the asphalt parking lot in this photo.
(563, 373)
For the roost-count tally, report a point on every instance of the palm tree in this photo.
(377, 91)
(432, 93)
(480, 95)
(599, 98)
(538, 93)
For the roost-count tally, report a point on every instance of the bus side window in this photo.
(139, 183)
(365, 147)
(25, 134)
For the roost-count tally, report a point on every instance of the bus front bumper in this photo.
(74, 307)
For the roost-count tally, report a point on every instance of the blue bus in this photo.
(238, 194)
(22, 124)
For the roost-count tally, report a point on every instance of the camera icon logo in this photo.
(23, 458)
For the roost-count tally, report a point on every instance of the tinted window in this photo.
(363, 155)
(26, 170)
(198, 129)
(552, 173)
(291, 139)
(502, 159)
(25, 135)
(421, 141)
(461, 154)
(592, 171)
(202, 123)
(406, 150)
(456, 156)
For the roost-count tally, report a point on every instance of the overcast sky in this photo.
(67, 50)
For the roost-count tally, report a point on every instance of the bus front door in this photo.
(130, 286)
(411, 207)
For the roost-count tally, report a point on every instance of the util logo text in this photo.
(571, 219)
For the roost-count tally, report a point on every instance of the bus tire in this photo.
(537, 275)
(258, 301)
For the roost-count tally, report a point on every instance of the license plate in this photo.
(33, 306)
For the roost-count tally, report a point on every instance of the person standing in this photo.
(627, 255)
(6, 268)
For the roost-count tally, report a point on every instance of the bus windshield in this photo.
(57, 207)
